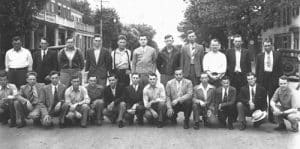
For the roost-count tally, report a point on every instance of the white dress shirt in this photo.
(223, 92)
(42, 53)
(70, 53)
(53, 88)
(179, 87)
(215, 62)
(250, 92)
(97, 53)
(18, 59)
(267, 56)
(238, 61)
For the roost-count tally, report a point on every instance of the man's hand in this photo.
(174, 102)
(220, 107)
(252, 105)
(47, 118)
(110, 106)
(170, 112)
(154, 114)
(202, 103)
(276, 111)
(73, 107)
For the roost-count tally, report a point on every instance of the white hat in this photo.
(258, 115)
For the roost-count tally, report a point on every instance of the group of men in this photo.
(212, 84)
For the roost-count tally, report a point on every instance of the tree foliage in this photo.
(84, 7)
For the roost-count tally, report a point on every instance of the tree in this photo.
(84, 7)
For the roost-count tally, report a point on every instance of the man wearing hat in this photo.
(121, 61)
(283, 107)
(251, 98)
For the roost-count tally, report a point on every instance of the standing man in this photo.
(215, 63)
(179, 93)
(144, 60)
(78, 100)
(168, 60)
(133, 96)
(70, 61)
(121, 61)
(98, 62)
(238, 63)
(191, 58)
(202, 100)
(252, 97)
(114, 101)
(224, 102)
(268, 70)
(285, 110)
(28, 101)
(18, 61)
(95, 92)
(44, 61)
(8, 93)
(53, 101)
(154, 97)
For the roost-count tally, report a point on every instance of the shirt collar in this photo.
(252, 86)
(208, 87)
(7, 86)
(271, 53)
(72, 89)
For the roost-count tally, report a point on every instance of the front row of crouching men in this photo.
(156, 103)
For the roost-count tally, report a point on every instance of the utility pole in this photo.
(101, 12)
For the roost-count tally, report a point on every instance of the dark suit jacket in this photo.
(199, 95)
(163, 59)
(47, 99)
(277, 68)
(231, 97)
(260, 99)
(185, 59)
(131, 96)
(25, 90)
(103, 66)
(109, 97)
(245, 62)
(45, 66)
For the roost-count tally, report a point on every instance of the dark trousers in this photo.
(96, 111)
(7, 111)
(226, 112)
(192, 75)
(117, 112)
(83, 110)
(17, 76)
(139, 112)
(160, 108)
(238, 80)
(243, 111)
(123, 78)
(270, 87)
(186, 107)
(199, 110)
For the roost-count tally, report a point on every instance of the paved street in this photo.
(138, 137)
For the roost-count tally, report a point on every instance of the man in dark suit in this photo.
(224, 102)
(52, 101)
(168, 60)
(252, 97)
(238, 63)
(133, 97)
(44, 61)
(191, 58)
(268, 70)
(98, 62)
(114, 102)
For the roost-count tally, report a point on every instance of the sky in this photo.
(162, 15)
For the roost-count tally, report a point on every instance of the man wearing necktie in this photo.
(268, 70)
(224, 102)
(252, 97)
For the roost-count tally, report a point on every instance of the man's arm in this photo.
(274, 100)
(86, 98)
(146, 98)
(168, 95)
(30, 61)
(88, 61)
(162, 94)
(134, 61)
(7, 61)
(189, 94)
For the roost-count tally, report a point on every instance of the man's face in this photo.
(143, 40)
(178, 75)
(3, 81)
(31, 80)
(97, 42)
(237, 41)
(283, 83)
(17, 44)
(70, 43)
(152, 80)
(267, 46)
(135, 79)
(169, 41)
(92, 81)
(54, 79)
(44, 45)
(122, 43)
(251, 80)
(225, 83)
(204, 78)
(112, 81)
(192, 37)
(75, 83)
(215, 46)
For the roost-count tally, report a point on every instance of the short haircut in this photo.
(226, 78)
(215, 40)
(237, 36)
(3, 74)
(190, 32)
(113, 75)
(177, 68)
(122, 37)
(250, 74)
(54, 73)
(92, 76)
(44, 39)
(16, 38)
(152, 74)
(75, 76)
(284, 77)
(268, 40)
(143, 35)
(136, 74)
(168, 36)
(31, 73)
(203, 73)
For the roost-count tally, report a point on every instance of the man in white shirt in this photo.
(215, 63)
(18, 61)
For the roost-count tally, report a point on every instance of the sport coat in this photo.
(109, 97)
(199, 95)
(45, 66)
(163, 59)
(245, 61)
(260, 99)
(132, 97)
(185, 59)
(172, 92)
(144, 62)
(277, 67)
(231, 97)
(101, 68)
(25, 90)
(48, 100)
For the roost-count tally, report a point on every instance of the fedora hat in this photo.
(258, 115)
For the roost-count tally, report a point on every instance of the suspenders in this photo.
(129, 67)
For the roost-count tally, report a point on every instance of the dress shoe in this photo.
(4, 122)
(121, 125)
(23, 124)
(272, 121)
(130, 122)
(83, 126)
(196, 125)
(257, 124)
(295, 127)
(11, 125)
(230, 126)
(99, 122)
(140, 122)
(242, 126)
(159, 124)
(281, 127)
(174, 121)
(205, 123)
(186, 124)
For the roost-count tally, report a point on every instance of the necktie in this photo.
(31, 94)
(269, 61)
(44, 53)
(55, 94)
(252, 93)
(225, 96)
